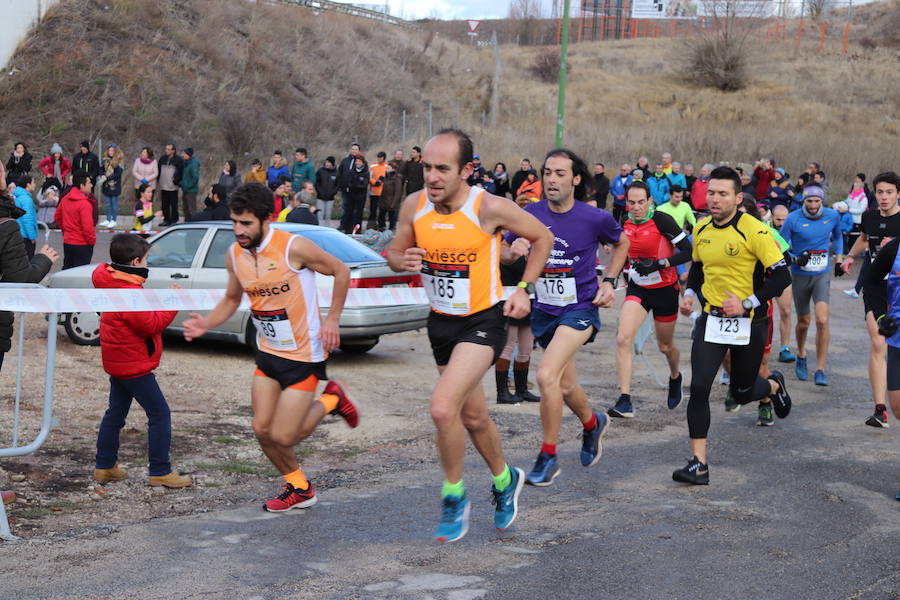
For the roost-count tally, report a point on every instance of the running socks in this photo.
(453, 489)
(591, 424)
(329, 401)
(297, 479)
(502, 481)
(549, 449)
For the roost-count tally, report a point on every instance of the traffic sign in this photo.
(473, 25)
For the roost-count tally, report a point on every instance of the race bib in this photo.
(731, 331)
(275, 329)
(556, 287)
(645, 280)
(818, 261)
(447, 287)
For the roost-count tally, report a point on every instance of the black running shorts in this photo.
(288, 372)
(486, 328)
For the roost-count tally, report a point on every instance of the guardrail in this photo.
(349, 9)
(47, 412)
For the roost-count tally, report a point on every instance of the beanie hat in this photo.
(839, 206)
(55, 148)
(813, 191)
(85, 144)
(189, 151)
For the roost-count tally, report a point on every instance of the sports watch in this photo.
(527, 286)
(747, 304)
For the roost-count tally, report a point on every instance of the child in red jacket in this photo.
(131, 346)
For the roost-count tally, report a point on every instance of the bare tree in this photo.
(525, 18)
(816, 9)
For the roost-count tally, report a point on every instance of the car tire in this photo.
(358, 347)
(83, 328)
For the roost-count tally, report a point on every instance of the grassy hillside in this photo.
(237, 79)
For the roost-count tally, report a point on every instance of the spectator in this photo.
(277, 169)
(358, 186)
(48, 200)
(302, 170)
(282, 195)
(24, 199)
(764, 172)
(812, 168)
(846, 222)
(698, 191)
(391, 196)
(56, 166)
(304, 201)
(398, 156)
(637, 175)
(229, 179)
(501, 179)
(19, 163)
(601, 185)
(377, 171)
(170, 169)
(676, 177)
(689, 179)
(75, 218)
(643, 165)
(659, 185)
(477, 171)
(413, 171)
(531, 188)
(781, 192)
(143, 209)
(747, 184)
(86, 161)
(345, 169)
(326, 188)
(190, 181)
(857, 203)
(667, 163)
(487, 183)
(618, 187)
(216, 206)
(256, 174)
(111, 183)
(15, 266)
(144, 170)
(820, 180)
(519, 176)
(861, 177)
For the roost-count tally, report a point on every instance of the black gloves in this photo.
(887, 325)
(838, 269)
(645, 266)
(802, 259)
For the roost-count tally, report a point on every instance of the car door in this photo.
(173, 259)
(211, 274)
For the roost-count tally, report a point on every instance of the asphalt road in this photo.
(801, 510)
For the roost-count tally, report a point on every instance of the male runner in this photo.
(784, 301)
(810, 232)
(877, 228)
(737, 269)
(684, 217)
(652, 287)
(451, 233)
(277, 270)
(565, 315)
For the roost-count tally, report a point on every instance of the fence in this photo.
(47, 412)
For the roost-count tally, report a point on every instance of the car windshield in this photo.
(344, 248)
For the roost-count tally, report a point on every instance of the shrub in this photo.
(546, 66)
(719, 62)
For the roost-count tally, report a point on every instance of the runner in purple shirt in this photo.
(565, 314)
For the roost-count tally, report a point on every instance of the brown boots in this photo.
(114, 474)
(172, 480)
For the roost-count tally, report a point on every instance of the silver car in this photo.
(193, 256)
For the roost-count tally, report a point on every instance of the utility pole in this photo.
(563, 59)
(495, 84)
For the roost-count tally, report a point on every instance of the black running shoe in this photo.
(674, 398)
(781, 400)
(695, 473)
(879, 418)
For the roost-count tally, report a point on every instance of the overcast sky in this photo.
(451, 9)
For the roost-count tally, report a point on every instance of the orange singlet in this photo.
(283, 300)
(461, 268)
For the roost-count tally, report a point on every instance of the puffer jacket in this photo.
(27, 222)
(14, 264)
(130, 342)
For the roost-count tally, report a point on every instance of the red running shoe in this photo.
(345, 409)
(292, 498)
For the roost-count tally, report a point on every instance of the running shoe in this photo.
(852, 293)
(592, 441)
(454, 519)
(344, 409)
(506, 503)
(898, 496)
(819, 377)
(801, 370)
(623, 408)
(725, 378)
(786, 356)
(781, 401)
(695, 473)
(766, 418)
(544, 471)
(731, 405)
(292, 498)
(674, 397)
(879, 418)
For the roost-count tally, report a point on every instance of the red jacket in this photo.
(698, 194)
(130, 342)
(75, 217)
(46, 167)
(763, 179)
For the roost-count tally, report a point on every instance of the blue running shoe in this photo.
(800, 369)
(820, 378)
(544, 471)
(623, 408)
(786, 356)
(898, 495)
(506, 503)
(674, 397)
(592, 441)
(725, 378)
(454, 519)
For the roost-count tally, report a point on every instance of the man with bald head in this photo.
(779, 214)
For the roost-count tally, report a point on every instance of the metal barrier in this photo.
(47, 415)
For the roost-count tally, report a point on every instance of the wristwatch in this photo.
(747, 304)
(527, 286)
(610, 280)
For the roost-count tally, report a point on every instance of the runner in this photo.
(877, 228)
(685, 219)
(785, 300)
(451, 233)
(277, 271)
(810, 232)
(565, 315)
(652, 287)
(737, 269)
(884, 300)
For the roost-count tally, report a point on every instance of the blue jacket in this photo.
(617, 188)
(273, 173)
(781, 195)
(659, 188)
(677, 179)
(815, 235)
(28, 221)
(846, 223)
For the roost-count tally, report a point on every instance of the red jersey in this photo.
(654, 238)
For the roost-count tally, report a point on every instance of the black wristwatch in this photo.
(747, 304)
(527, 286)
(610, 280)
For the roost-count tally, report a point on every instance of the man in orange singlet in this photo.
(277, 270)
(451, 233)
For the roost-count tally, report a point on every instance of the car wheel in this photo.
(358, 347)
(83, 328)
